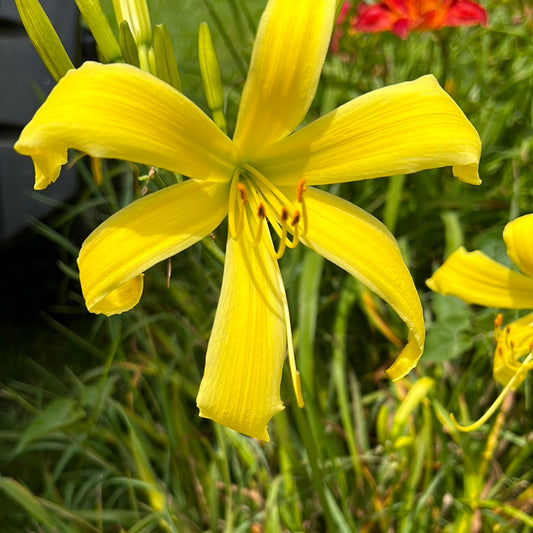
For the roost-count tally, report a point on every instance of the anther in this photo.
(242, 192)
(498, 320)
(295, 218)
(261, 215)
(284, 214)
(300, 190)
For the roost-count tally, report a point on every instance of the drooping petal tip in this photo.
(399, 129)
(140, 235)
(362, 245)
(152, 124)
(119, 300)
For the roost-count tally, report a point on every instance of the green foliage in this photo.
(104, 434)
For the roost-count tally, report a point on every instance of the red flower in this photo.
(402, 16)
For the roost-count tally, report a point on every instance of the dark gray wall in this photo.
(24, 83)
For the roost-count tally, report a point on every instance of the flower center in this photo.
(512, 344)
(254, 201)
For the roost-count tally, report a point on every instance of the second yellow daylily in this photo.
(262, 180)
(477, 279)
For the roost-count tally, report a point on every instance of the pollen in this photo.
(295, 218)
(242, 192)
(300, 190)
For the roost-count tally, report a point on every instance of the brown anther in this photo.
(284, 214)
(261, 211)
(300, 190)
(242, 191)
(511, 344)
(500, 350)
(498, 321)
(507, 329)
(295, 218)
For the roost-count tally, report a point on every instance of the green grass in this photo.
(99, 429)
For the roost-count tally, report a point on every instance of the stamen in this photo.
(261, 214)
(283, 238)
(236, 205)
(295, 374)
(294, 223)
(300, 190)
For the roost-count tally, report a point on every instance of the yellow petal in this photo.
(290, 47)
(477, 279)
(518, 237)
(399, 129)
(240, 387)
(118, 111)
(364, 247)
(113, 257)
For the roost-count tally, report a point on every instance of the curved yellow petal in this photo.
(244, 361)
(118, 111)
(399, 129)
(518, 237)
(290, 47)
(364, 247)
(477, 279)
(113, 258)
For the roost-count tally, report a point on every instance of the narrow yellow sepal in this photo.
(147, 231)
(44, 38)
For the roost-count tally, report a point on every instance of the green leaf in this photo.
(58, 414)
(448, 337)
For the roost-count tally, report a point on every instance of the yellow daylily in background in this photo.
(262, 180)
(476, 278)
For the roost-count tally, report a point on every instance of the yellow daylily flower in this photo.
(477, 279)
(262, 181)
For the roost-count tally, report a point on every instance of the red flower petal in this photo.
(465, 13)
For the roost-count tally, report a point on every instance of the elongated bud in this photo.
(211, 76)
(44, 38)
(166, 66)
(127, 44)
(136, 13)
(92, 13)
